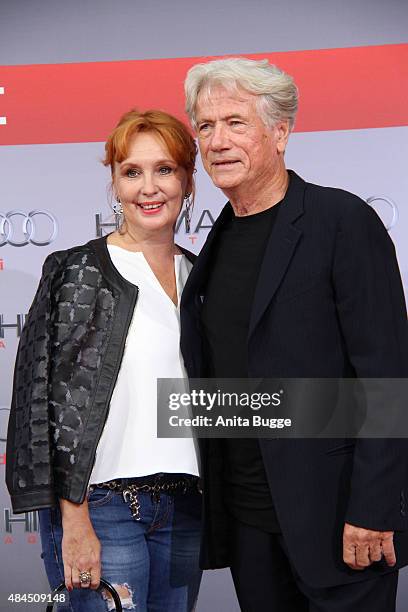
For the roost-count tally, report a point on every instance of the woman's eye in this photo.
(165, 170)
(132, 172)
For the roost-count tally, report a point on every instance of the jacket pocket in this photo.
(290, 290)
(342, 449)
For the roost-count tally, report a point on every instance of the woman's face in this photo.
(150, 185)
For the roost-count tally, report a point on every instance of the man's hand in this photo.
(361, 547)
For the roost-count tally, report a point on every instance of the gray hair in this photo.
(278, 94)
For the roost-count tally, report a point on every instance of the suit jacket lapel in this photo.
(279, 250)
(190, 305)
(201, 268)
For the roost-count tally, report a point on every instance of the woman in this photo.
(82, 442)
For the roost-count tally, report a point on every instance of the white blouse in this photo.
(129, 445)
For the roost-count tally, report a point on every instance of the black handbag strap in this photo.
(103, 585)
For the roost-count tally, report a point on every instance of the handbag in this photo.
(103, 585)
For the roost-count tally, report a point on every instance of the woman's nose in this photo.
(149, 184)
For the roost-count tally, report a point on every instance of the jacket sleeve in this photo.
(28, 459)
(372, 314)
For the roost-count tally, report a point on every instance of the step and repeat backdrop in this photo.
(66, 76)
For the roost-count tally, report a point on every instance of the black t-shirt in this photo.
(229, 295)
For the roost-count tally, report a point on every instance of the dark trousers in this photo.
(265, 581)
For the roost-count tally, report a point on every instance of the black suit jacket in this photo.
(328, 303)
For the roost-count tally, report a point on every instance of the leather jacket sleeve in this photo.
(28, 465)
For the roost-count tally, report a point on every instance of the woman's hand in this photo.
(81, 550)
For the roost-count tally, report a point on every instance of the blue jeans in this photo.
(155, 558)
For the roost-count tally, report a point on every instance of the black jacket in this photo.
(67, 363)
(328, 303)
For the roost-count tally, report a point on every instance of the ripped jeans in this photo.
(153, 563)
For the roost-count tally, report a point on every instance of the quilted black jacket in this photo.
(67, 363)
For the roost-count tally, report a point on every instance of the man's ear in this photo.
(282, 134)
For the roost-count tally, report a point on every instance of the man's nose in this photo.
(219, 138)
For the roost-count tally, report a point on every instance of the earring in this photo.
(117, 208)
(189, 211)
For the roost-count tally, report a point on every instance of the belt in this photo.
(156, 484)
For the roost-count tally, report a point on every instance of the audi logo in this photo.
(38, 227)
(391, 204)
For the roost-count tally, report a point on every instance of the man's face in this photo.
(237, 148)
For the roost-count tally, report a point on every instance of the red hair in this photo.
(169, 129)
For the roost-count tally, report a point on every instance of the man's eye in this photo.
(132, 172)
(203, 127)
(235, 122)
(164, 170)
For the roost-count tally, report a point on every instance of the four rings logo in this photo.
(391, 204)
(19, 228)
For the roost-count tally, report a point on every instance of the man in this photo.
(294, 280)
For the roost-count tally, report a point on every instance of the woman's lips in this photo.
(150, 208)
